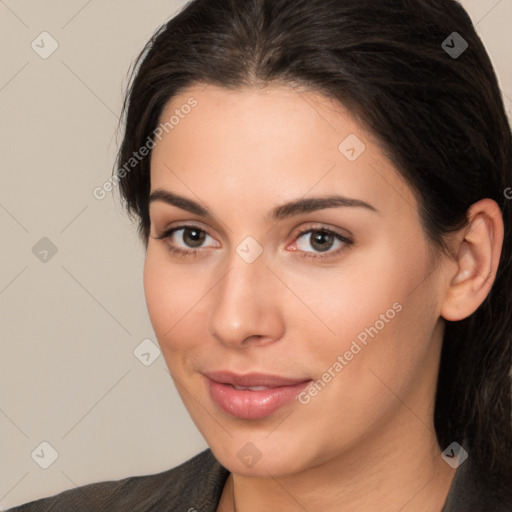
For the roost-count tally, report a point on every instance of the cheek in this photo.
(172, 296)
(342, 301)
(373, 312)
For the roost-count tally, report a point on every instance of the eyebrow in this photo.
(284, 211)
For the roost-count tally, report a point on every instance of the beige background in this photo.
(70, 325)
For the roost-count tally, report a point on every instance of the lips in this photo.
(254, 395)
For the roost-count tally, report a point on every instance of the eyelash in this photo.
(178, 251)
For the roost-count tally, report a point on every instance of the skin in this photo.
(368, 436)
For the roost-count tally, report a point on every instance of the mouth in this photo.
(252, 396)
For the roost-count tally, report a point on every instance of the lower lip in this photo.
(252, 405)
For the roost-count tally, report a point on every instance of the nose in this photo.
(246, 310)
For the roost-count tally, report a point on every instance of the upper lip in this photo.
(252, 379)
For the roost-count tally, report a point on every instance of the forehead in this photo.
(277, 143)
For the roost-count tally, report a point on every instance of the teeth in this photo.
(253, 388)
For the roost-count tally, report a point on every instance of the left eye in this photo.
(322, 240)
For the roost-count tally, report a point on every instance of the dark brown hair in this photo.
(439, 117)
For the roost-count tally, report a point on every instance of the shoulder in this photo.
(194, 485)
(474, 491)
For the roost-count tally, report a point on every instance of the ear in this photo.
(478, 249)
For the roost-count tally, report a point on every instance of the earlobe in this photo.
(478, 255)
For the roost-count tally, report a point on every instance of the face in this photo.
(294, 333)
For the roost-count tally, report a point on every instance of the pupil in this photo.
(195, 237)
(322, 238)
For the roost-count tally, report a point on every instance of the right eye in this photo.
(183, 240)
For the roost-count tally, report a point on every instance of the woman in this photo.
(321, 187)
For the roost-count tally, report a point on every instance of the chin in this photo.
(262, 456)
